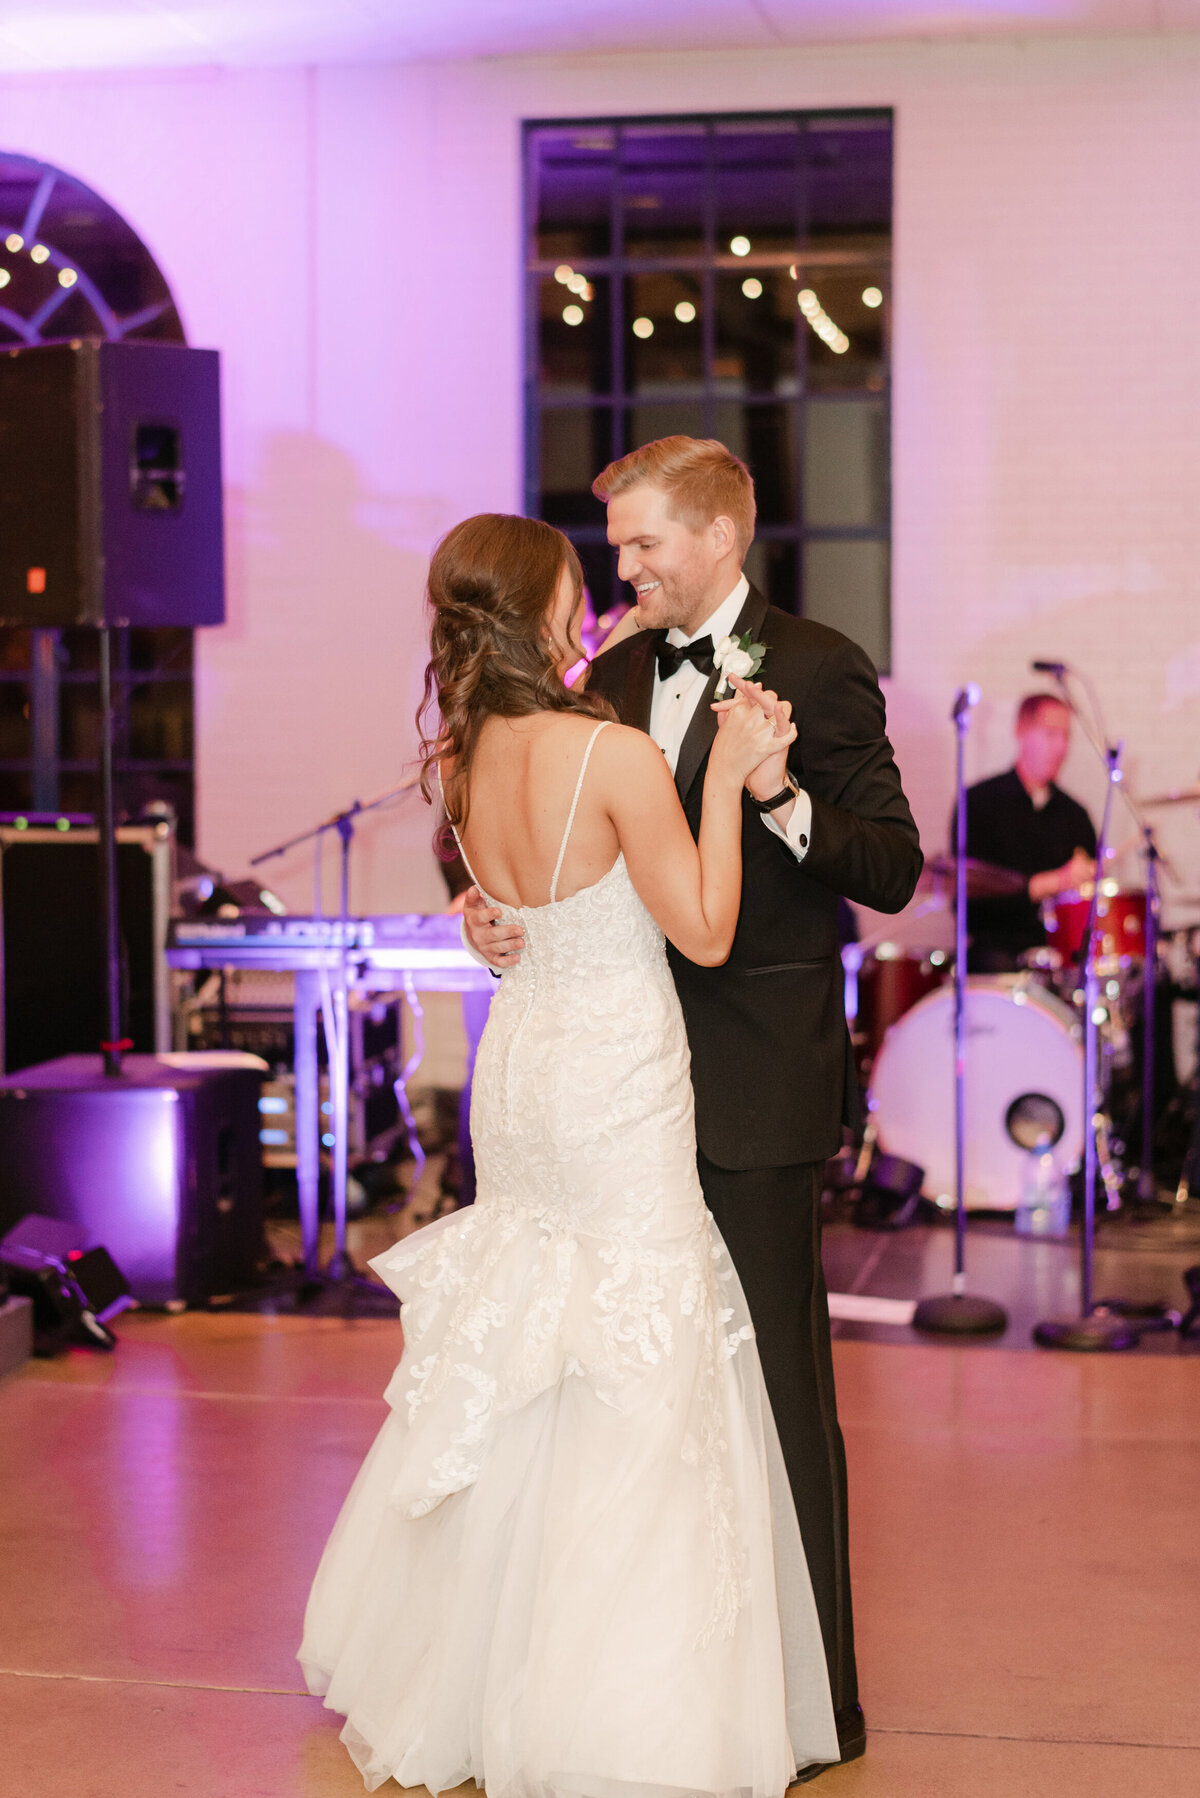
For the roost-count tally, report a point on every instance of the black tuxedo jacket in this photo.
(771, 1062)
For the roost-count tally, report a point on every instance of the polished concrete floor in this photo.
(1026, 1541)
(1140, 1259)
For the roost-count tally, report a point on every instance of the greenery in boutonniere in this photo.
(737, 655)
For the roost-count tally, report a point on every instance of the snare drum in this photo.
(1120, 915)
(1024, 1084)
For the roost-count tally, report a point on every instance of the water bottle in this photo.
(1044, 1201)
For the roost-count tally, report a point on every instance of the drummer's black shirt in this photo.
(1004, 826)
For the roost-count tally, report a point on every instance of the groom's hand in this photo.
(499, 943)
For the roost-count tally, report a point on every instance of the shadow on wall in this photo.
(308, 694)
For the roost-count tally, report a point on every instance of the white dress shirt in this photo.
(674, 702)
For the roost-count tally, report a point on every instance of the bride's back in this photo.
(523, 779)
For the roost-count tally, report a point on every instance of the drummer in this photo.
(1022, 820)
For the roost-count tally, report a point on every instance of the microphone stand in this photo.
(341, 1273)
(957, 1313)
(1094, 1331)
(1147, 1185)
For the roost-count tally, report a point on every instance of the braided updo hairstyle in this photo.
(492, 583)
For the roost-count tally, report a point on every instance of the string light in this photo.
(39, 253)
(572, 315)
(5, 277)
(643, 327)
(752, 287)
(685, 312)
(563, 274)
(14, 242)
(67, 277)
(821, 322)
(740, 246)
(872, 297)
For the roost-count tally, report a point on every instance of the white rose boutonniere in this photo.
(737, 655)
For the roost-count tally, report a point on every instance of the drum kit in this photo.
(988, 1092)
(1025, 1032)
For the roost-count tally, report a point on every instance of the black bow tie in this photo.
(670, 657)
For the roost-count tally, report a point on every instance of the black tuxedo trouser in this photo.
(770, 1219)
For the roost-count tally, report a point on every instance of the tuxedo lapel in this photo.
(703, 727)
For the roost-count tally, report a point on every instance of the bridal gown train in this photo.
(570, 1564)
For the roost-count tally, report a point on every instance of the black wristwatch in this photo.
(790, 791)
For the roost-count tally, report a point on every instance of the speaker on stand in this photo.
(110, 516)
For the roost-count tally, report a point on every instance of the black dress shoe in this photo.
(852, 1741)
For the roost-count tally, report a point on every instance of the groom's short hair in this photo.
(700, 477)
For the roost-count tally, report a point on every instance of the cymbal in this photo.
(985, 880)
(1181, 796)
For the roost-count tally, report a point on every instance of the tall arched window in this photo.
(70, 266)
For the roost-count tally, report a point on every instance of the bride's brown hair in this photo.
(492, 582)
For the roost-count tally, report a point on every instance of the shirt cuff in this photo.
(798, 830)
(473, 952)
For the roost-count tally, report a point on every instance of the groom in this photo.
(771, 1060)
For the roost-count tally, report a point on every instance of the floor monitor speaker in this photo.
(160, 1163)
(75, 1285)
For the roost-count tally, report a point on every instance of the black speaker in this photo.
(110, 485)
(51, 946)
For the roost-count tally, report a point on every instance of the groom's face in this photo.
(680, 576)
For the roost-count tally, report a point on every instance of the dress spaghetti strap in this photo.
(454, 827)
(562, 849)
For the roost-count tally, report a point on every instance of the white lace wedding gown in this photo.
(570, 1566)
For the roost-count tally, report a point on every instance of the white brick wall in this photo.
(349, 240)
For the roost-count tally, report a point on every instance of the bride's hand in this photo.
(771, 773)
(753, 729)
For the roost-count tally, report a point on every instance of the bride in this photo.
(570, 1565)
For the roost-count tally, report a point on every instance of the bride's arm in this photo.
(691, 890)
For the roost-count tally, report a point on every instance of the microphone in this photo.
(964, 699)
(1059, 670)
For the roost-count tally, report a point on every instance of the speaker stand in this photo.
(113, 1044)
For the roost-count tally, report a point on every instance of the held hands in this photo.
(755, 730)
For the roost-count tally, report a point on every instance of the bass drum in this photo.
(1024, 1089)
